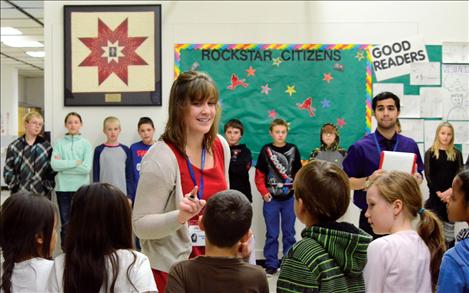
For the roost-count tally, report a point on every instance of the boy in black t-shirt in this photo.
(241, 158)
(276, 167)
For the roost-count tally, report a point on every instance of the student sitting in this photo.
(226, 222)
(98, 249)
(454, 271)
(28, 234)
(331, 256)
(408, 259)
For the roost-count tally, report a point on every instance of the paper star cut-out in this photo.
(360, 55)
(277, 61)
(325, 103)
(250, 71)
(235, 82)
(290, 90)
(273, 114)
(327, 77)
(265, 89)
(341, 122)
(112, 51)
(308, 106)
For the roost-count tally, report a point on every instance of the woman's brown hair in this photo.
(324, 189)
(402, 186)
(189, 87)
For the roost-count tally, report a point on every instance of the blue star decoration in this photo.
(325, 103)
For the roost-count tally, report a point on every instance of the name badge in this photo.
(196, 235)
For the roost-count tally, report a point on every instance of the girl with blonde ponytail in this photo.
(405, 260)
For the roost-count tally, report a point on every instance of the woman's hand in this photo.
(190, 206)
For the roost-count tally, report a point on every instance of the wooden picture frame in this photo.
(112, 55)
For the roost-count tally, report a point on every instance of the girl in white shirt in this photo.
(28, 237)
(99, 255)
(405, 260)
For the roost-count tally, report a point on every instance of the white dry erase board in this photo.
(398, 161)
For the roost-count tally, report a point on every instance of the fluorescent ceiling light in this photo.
(20, 42)
(10, 31)
(37, 54)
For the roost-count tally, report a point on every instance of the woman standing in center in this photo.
(179, 173)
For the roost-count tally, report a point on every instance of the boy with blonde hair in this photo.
(112, 161)
(27, 164)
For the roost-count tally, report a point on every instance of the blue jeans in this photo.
(64, 199)
(273, 210)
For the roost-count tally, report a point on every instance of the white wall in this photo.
(353, 22)
(9, 100)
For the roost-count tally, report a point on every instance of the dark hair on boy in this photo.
(277, 122)
(145, 120)
(385, 96)
(227, 218)
(73, 114)
(234, 123)
(464, 177)
(324, 189)
(24, 216)
(100, 224)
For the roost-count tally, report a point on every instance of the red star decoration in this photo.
(251, 71)
(327, 77)
(341, 122)
(273, 114)
(119, 35)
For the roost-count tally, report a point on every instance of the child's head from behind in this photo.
(100, 220)
(322, 192)
(329, 135)
(393, 194)
(227, 218)
(278, 130)
(146, 129)
(111, 128)
(458, 205)
(73, 123)
(27, 227)
(234, 130)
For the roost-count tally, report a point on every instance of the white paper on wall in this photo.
(410, 106)
(395, 88)
(429, 131)
(431, 103)
(465, 152)
(461, 131)
(394, 59)
(425, 73)
(456, 82)
(455, 52)
(412, 128)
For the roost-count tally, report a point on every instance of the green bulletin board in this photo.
(306, 85)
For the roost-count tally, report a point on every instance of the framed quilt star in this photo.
(112, 55)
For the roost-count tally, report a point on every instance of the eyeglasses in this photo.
(36, 123)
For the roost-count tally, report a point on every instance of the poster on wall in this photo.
(112, 55)
(305, 84)
(394, 59)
